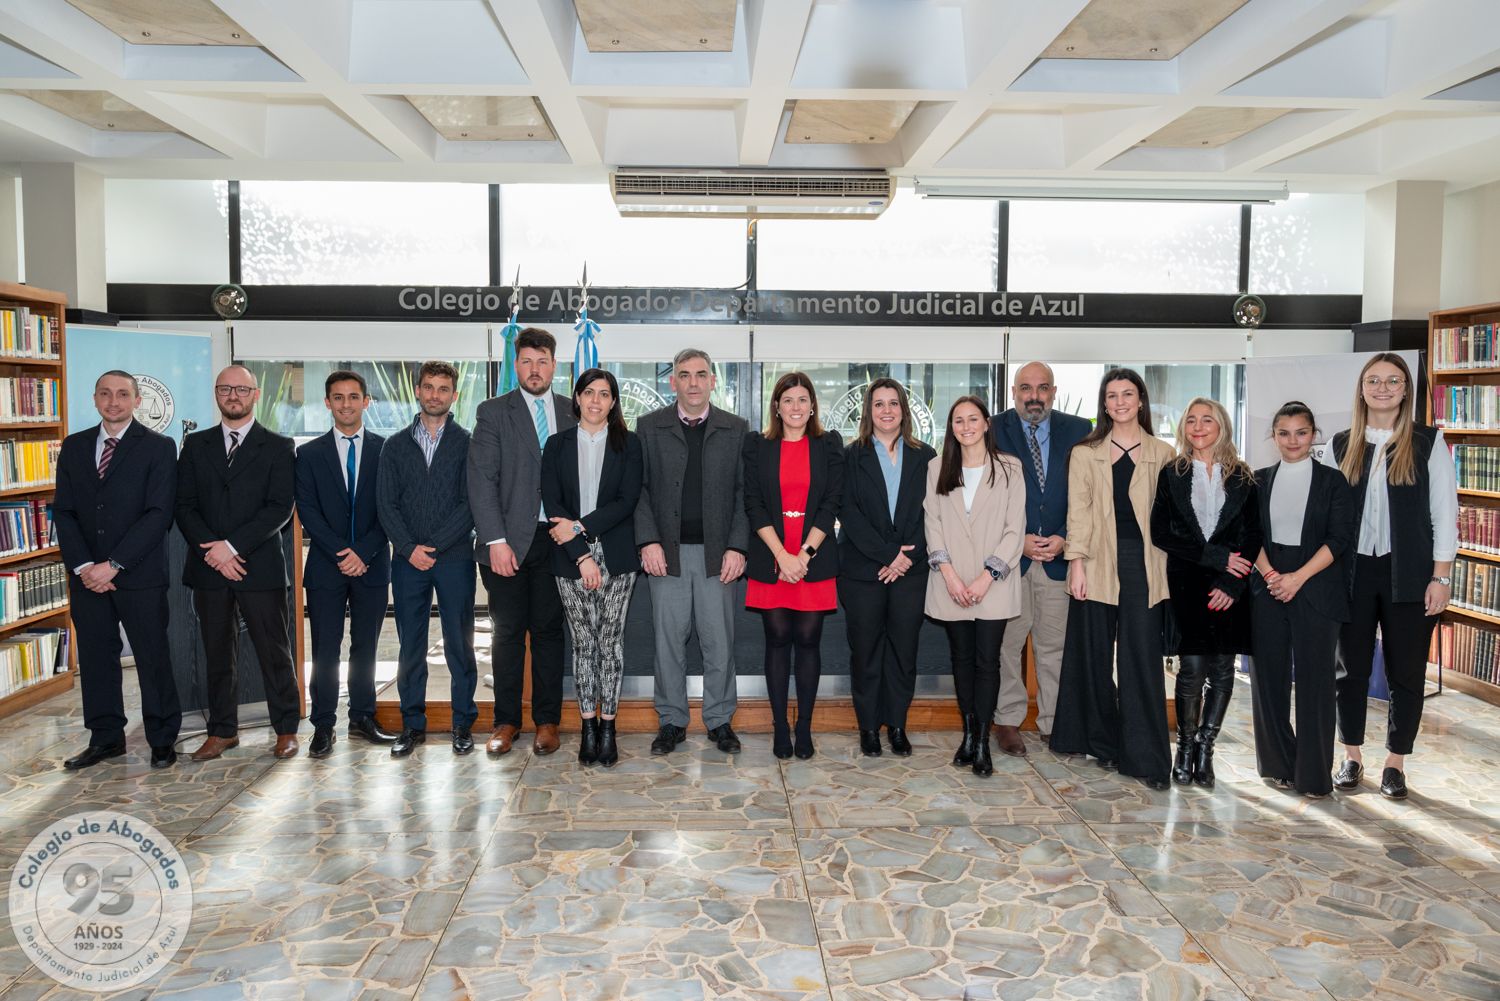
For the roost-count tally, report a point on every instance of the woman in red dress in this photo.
(794, 474)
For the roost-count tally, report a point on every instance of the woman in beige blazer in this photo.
(1118, 581)
(975, 515)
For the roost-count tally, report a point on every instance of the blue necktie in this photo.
(541, 423)
(349, 465)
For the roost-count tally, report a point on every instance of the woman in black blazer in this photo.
(794, 479)
(1307, 514)
(591, 480)
(1207, 520)
(883, 563)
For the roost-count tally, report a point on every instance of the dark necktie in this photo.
(349, 466)
(1036, 457)
(106, 455)
(234, 446)
(692, 422)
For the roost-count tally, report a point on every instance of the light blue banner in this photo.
(174, 372)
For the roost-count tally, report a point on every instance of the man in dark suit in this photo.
(1041, 438)
(235, 489)
(692, 531)
(116, 484)
(512, 546)
(348, 564)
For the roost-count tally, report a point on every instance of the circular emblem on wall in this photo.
(846, 412)
(637, 399)
(157, 406)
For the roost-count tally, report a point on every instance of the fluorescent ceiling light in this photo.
(1069, 189)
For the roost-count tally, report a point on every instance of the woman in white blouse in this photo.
(1406, 510)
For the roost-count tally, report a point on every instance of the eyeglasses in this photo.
(240, 391)
(1394, 382)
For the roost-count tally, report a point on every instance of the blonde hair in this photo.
(1400, 454)
(1225, 454)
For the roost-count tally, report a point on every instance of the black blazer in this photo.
(247, 504)
(868, 539)
(613, 519)
(762, 457)
(323, 506)
(1330, 520)
(124, 516)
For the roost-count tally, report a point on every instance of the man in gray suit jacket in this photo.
(692, 531)
(512, 547)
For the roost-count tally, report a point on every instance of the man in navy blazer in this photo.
(1042, 439)
(348, 562)
(116, 488)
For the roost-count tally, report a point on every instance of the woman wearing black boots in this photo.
(976, 523)
(1206, 518)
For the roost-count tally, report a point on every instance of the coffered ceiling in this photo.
(1324, 94)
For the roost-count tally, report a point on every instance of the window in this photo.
(291, 394)
(166, 231)
(343, 233)
(1096, 246)
(1308, 244)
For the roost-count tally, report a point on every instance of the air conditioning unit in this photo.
(752, 193)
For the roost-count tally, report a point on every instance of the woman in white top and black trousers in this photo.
(1406, 510)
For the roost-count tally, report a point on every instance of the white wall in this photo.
(1471, 247)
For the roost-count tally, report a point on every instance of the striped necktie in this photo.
(234, 446)
(106, 455)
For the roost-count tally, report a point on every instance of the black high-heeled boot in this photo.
(1189, 708)
(1215, 705)
(781, 739)
(609, 751)
(588, 746)
(966, 747)
(982, 763)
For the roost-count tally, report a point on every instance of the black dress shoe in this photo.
(92, 755)
(724, 738)
(1393, 784)
(1157, 784)
(1348, 775)
(369, 730)
(900, 746)
(463, 740)
(407, 742)
(869, 743)
(667, 739)
(322, 742)
(163, 757)
(1108, 764)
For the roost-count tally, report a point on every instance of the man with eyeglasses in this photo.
(235, 488)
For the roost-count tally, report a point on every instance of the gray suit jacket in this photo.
(505, 470)
(658, 515)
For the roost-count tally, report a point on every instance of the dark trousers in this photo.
(974, 646)
(1125, 722)
(883, 622)
(266, 620)
(527, 602)
(411, 595)
(1284, 636)
(1405, 634)
(325, 620)
(97, 619)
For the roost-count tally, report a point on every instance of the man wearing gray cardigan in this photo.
(692, 531)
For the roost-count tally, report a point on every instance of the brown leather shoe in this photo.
(546, 738)
(213, 747)
(503, 737)
(286, 745)
(1009, 740)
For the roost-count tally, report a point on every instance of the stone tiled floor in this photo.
(840, 878)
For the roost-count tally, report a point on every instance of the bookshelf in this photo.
(33, 416)
(1463, 375)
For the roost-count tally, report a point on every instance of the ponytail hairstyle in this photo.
(1294, 408)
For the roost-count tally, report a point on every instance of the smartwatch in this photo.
(810, 551)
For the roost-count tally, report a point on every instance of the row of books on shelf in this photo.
(1479, 529)
(1466, 408)
(24, 334)
(28, 463)
(1476, 586)
(32, 588)
(1474, 346)
(33, 656)
(26, 526)
(23, 398)
(1466, 649)
(1477, 466)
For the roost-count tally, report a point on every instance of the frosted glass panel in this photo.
(917, 244)
(550, 230)
(166, 231)
(1308, 243)
(1091, 246)
(364, 233)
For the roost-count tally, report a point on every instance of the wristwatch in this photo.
(577, 528)
(1445, 581)
(810, 551)
(117, 565)
(994, 574)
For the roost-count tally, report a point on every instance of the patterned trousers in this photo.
(597, 621)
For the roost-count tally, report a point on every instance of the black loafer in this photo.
(869, 743)
(163, 757)
(900, 746)
(724, 738)
(369, 730)
(463, 740)
(1108, 764)
(1157, 784)
(407, 742)
(667, 739)
(92, 755)
(1393, 784)
(322, 742)
(1348, 775)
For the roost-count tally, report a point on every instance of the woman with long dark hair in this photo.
(1118, 581)
(1206, 518)
(591, 480)
(976, 523)
(794, 481)
(883, 563)
(1406, 518)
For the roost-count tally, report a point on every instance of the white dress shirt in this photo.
(590, 468)
(343, 445)
(105, 436)
(242, 431)
(1207, 496)
(1442, 499)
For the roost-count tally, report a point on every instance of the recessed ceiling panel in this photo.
(1138, 29)
(166, 22)
(657, 25)
(98, 109)
(1212, 127)
(847, 121)
(475, 118)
